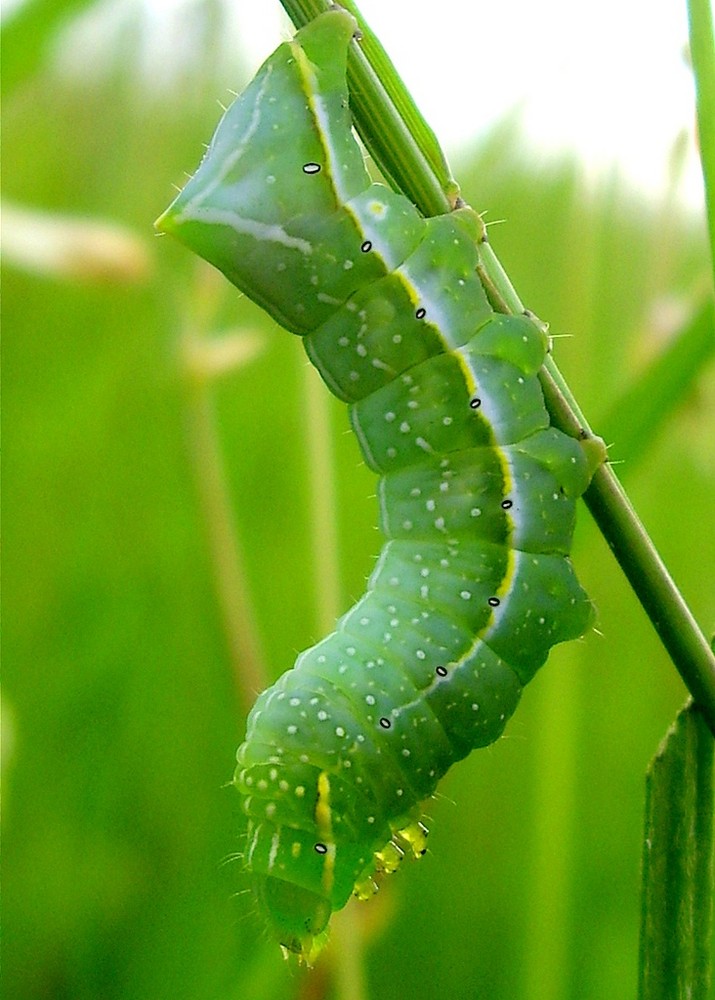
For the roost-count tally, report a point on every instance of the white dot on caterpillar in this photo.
(347, 264)
(415, 491)
(397, 339)
(405, 427)
(465, 595)
(475, 512)
(343, 341)
(322, 715)
(405, 752)
(299, 791)
(369, 699)
(364, 620)
(439, 523)
(407, 525)
(270, 810)
(273, 774)
(424, 571)
(389, 416)
(391, 452)
(424, 593)
(420, 654)
(283, 785)
(361, 350)
(294, 702)
(412, 404)
(291, 730)
(339, 731)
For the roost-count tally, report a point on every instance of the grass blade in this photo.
(702, 52)
(676, 916)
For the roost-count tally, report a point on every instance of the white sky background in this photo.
(607, 79)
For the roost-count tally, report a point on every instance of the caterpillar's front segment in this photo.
(477, 491)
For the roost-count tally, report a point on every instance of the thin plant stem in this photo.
(702, 53)
(226, 556)
(346, 951)
(414, 172)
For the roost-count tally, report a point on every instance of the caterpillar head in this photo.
(298, 916)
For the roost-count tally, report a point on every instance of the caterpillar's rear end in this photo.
(477, 491)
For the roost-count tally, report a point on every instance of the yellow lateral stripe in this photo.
(309, 87)
(509, 488)
(324, 823)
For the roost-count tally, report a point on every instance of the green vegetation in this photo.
(165, 553)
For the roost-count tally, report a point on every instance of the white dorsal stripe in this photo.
(263, 231)
(243, 143)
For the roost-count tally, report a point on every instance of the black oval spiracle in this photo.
(366, 247)
(311, 168)
(507, 504)
(493, 602)
(320, 848)
(421, 313)
(385, 723)
(441, 671)
(475, 402)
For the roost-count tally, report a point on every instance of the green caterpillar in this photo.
(477, 491)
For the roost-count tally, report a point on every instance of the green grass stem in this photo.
(346, 952)
(226, 558)
(676, 918)
(702, 53)
(606, 499)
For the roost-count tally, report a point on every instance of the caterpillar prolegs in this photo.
(476, 490)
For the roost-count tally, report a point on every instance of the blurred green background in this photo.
(158, 514)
